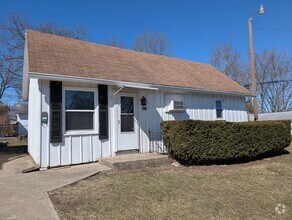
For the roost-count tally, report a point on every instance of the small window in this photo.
(79, 110)
(219, 109)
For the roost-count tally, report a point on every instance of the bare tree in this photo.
(274, 77)
(114, 42)
(274, 81)
(228, 60)
(12, 39)
(156, 43)
(11, 51)
(78, 32)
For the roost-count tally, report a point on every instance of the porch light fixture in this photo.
(143, 101)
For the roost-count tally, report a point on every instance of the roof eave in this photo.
(57, 77)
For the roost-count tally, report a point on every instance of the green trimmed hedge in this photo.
(216, 142)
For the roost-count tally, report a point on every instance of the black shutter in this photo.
(56, 111)
(103, 111)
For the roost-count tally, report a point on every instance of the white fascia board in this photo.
(25, 82)
(57, 77)
(90, 80)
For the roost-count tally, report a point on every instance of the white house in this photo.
(88, 101)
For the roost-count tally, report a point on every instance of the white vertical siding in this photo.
(83, 148)
(74, 148)
(34, 130)
(142, 116)
(199, 106)
(45, 138)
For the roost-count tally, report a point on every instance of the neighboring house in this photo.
(273, 116)
(88, 101)
(8, 122)
(12, 118)
(22, 118)
(4, 114)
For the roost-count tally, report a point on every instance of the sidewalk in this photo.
(24, 196)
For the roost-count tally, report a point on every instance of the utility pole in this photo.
(252, 63)
(253, 71)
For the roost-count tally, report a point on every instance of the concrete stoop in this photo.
(135, 161)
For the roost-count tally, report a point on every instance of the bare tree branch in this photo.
(228, 60)
(155, 43)
(274, 76)
(114, 42)
(274, 73)
(51, 28)
(12, 40)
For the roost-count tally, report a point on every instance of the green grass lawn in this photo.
(244, 191)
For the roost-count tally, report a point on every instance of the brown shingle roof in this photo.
(69, 57)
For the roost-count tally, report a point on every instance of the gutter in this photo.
(48, 76)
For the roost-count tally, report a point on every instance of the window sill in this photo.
(79, 133)
(176, 111)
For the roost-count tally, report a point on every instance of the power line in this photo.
(269, 82)
(273, 29)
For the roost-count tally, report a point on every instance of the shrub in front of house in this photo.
(219, 142)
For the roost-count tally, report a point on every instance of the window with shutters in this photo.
(79, 110)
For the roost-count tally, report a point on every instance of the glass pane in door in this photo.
(127, 114)
(127, 123)
(127, 104)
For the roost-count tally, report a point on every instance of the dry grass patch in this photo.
(240, 192)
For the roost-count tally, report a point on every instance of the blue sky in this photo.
(192, 26)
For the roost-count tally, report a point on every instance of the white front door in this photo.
(128, 129)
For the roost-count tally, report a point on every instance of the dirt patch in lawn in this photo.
(262, 160)
(246, 192)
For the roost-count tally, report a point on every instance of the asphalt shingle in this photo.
(69, 57)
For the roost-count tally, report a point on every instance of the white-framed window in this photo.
(79, 109)
(219, 109)
(179, 105)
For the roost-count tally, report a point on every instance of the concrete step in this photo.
(135, 161)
